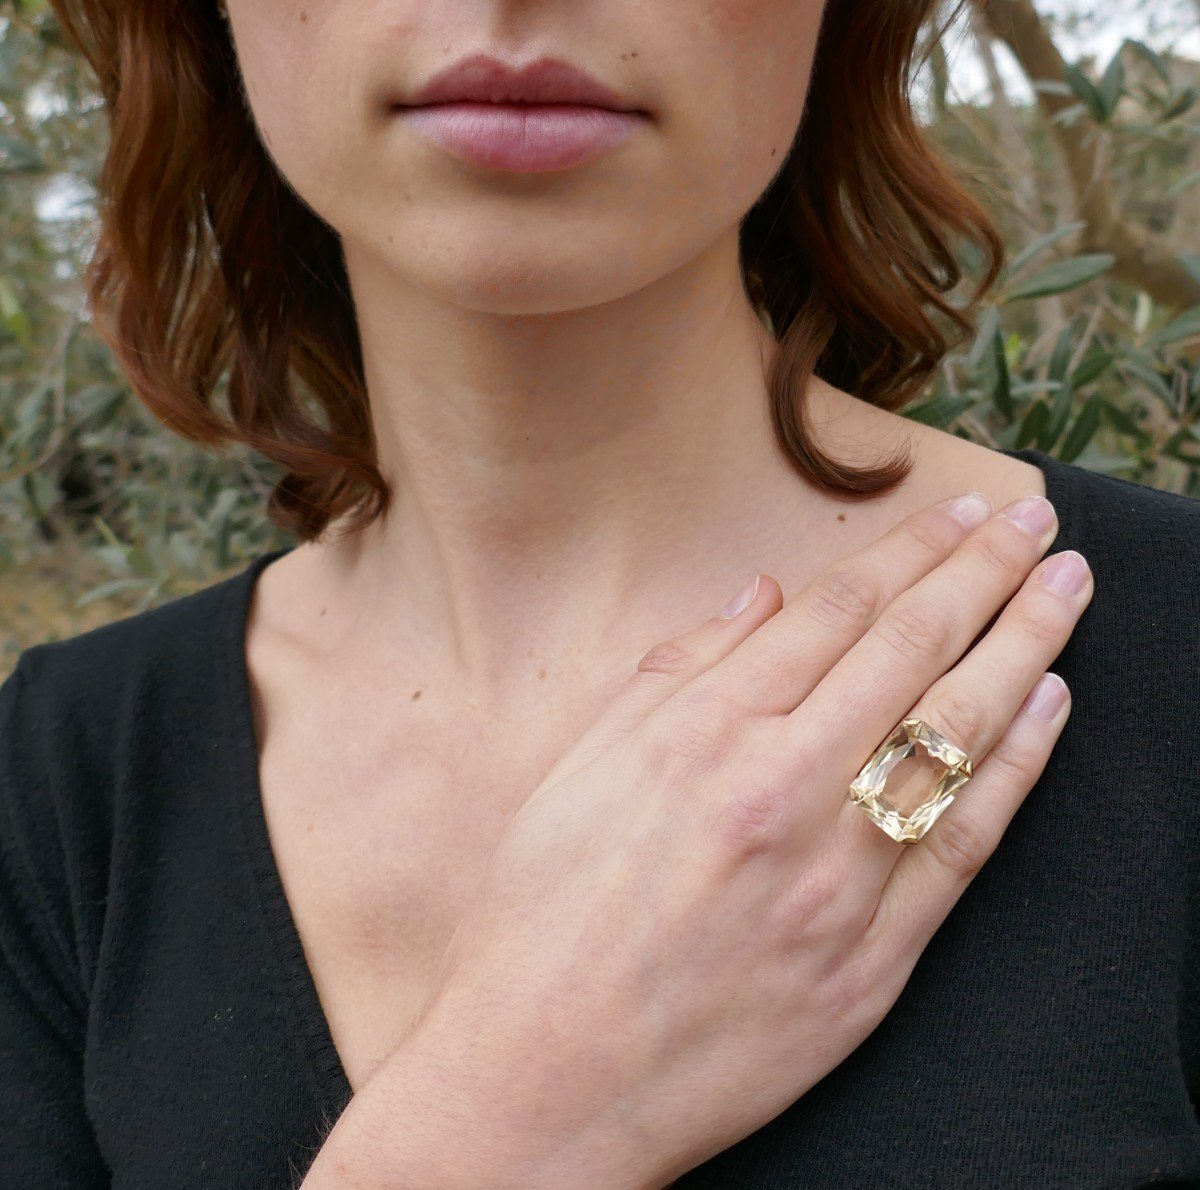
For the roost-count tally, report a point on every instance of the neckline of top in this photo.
(322, 1059)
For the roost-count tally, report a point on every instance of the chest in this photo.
(1038, 1041)
(1047, 1035)
(379, 851)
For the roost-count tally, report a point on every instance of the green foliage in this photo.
(86, 474)
(1069, 357)
(1061, 395)
(1064, 275)
(1072, 356)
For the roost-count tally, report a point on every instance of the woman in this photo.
(464, 844)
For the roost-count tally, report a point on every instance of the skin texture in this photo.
(724, 82)
(565, 377)
(566, 383)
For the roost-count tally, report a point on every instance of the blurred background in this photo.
(1079, 123)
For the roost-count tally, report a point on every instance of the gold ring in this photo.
(905, 821)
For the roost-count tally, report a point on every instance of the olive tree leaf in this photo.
(1080, 434)
(1033, 424)
(1087, 93)
(1002, 388)
(1062, 276)
(1152, 59)
(939, 411)
(1186, 326)
(1039, 245)
(1112, 85)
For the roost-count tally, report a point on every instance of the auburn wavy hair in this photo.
(207, 263)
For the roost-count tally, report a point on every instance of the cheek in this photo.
(295, 81)
(770, 51)
(735, 120)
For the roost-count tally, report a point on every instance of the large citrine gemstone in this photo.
(912, 777)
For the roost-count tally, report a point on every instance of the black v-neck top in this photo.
(159, 1025)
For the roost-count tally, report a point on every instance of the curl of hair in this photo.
(208, 263)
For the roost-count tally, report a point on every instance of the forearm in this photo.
(444, 1112)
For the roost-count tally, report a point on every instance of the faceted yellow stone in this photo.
(883, 790)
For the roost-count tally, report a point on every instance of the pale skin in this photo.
(566, 382)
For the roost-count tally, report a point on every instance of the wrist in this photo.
(452, 1108)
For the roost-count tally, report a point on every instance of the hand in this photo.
(688, 924)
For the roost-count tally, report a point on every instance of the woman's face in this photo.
(721, 82)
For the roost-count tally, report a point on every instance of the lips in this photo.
(484, 79)
(547, 115)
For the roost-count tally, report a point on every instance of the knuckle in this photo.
(671, 657)
(808, 904)
(997, 550)
(930, 537)
(713, 702)
(961, 717)
(913, 630)
(844, 597)
(959, 844)
(754, 815)
(1038, 624)
(694, 745)
(1019, 765)
(699, 732)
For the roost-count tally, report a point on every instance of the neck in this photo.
(564, 483)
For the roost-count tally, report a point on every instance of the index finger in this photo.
(780, 664)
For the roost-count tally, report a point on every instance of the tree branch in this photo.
(1143, 259)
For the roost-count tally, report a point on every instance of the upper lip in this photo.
(484, 79)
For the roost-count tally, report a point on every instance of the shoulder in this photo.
(73, 699)
(1142, 542)
(124, 648)
(90, 728)
(1132, 661)
(1140, 634)
(1109, 500)
(83, 685)
(78, 715)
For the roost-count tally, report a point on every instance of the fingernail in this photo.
(1046, 698)
(1065, 572)
(1034, 514)
(972, 509)
(742, 599)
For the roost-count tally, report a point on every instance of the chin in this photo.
(475, 271)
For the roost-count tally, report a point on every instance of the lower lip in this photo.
(522, 137)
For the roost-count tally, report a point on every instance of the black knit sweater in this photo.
(159, 1026)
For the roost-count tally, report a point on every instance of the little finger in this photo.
(930, 876)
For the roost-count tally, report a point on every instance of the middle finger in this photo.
(924, 631)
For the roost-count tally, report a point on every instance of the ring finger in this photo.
(974, 703)
(926, 882)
